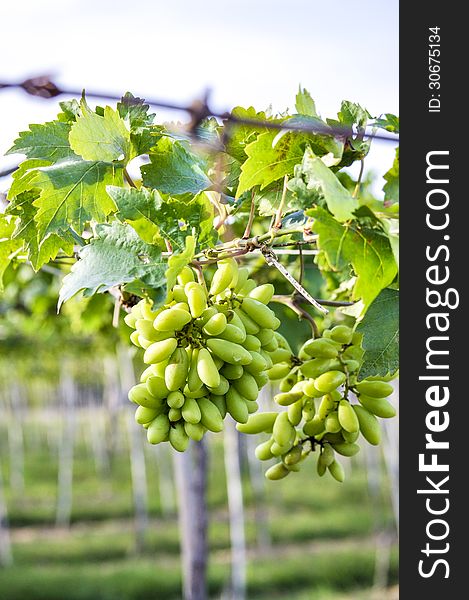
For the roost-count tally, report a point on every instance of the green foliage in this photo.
(72, 203)
(116, 255)
(380, 329)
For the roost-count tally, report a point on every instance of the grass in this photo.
(321, 533)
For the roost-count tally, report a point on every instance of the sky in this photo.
(245, 52)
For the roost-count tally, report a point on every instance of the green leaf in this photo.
(177, 262)
(380, 329)
(305, 104)
(391, 187)
(241, 135)
(40, 252)
(25, 175)
(268, 161)
(73, 193)
(353, 114)
(367, 250)
(314, 181)
(171, 218)
(139, 208)
(115, 256)
(47, 142)
(143, 134)
(100, 138)
(8, 245)
(174, 169)
(70, 111)
(389, 123)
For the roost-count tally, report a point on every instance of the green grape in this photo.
(277, 471)
(346, 449)
(246, 385)
(308, 411)
(375, 389)
(134, 339)
(327, 456)
(206, 369)
(259, 313)
(327, 382)
(263, 452)
(205, 317)
(229, 352)
(232, 371)
(145, 415)
(266, 356)
(225, 276)
(175, 399)
(216, 324)
(179, 294)
(178, 438)
(243, 275)
(378, 406)
(176, 371)
(222, 388)
(194, 431)
(265, 336)
(174, 414)
(295, 412)
(349, 437)
(258, 423)
(234, 319)
(326, 405)
(310, 390)
(210, 415)
(369, 425)
(261, 378)
(250, 326)
(263, 293)
(191, 411)
(186, 276)
(220, 403)
(287, 398)
(232, 333)
(130, 320)
(158, 429)
(293, 456)
(347, 417)
(341, 334)
(196, 298)
(157, 387)
(332, 423)
(159, 351)
(322, 348)
(252, 343)
(280, 355)
(282, 430)
(236, 406)
(337, 471)
(172, 319)
(278, 371)
(318, 366)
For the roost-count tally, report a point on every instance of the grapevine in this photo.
(183, 244)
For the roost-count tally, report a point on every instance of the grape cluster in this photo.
(208, 353)
(317, 388)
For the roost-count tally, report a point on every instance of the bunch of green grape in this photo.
(318, 388)
(208, 351)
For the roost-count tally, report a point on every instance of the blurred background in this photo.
(88, 510)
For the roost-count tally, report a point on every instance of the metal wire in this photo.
(43, 87)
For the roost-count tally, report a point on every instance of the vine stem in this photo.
(359, 180)
(247, 231)
(278, 215)
(301, 312)
(129, 179)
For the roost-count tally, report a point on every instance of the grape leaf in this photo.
(380, 329)
(367, 250)
(24, 175)
(115, 256)
(40, 252)
(70, 111)
(268, 162)
(8, 245)
(391, 187)
(143, 133)
(139, 208)
(314, 181)
(240, 135)
(177, 262)
(48, 142)
(389, 123)
(100, 138)
(73, 193)
(305, 104)
(174, 169)
(171, 218)
(353, 114)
